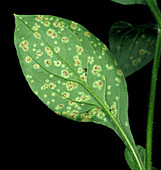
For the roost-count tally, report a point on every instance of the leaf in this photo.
(153, 168)
(132, 47)
(129, 158)
(130, 161)
(73, 72)
(130, 2)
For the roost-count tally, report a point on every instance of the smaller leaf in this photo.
(129, 158)
(130, 161)
(153, 168)
(132, 47)
(130, 2)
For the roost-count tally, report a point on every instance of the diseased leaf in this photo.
(130, 161)
(132, 47)
(65, 66)
(130, 2)
(73, 72)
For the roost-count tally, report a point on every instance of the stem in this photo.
(151, 105)
(157, 14)
(155, 10)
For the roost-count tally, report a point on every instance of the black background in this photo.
(39, 138)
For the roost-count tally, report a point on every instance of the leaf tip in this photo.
(14, 15)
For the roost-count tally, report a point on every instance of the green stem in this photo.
(151, 105)
(157, 14)
(155, 10)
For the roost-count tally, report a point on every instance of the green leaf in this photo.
(73, 73)
(129, 157)
(153, 168)
(130, 2)
(132, 47)
(65, 67)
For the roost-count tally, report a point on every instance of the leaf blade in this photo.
(127, 43)
(73, 77)
(73, 73)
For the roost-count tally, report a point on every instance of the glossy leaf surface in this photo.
(73, 72)
(132, 47)
(130, 2)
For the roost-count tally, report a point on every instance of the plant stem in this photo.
(155, 10)
(157, 14)
(151, 104)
